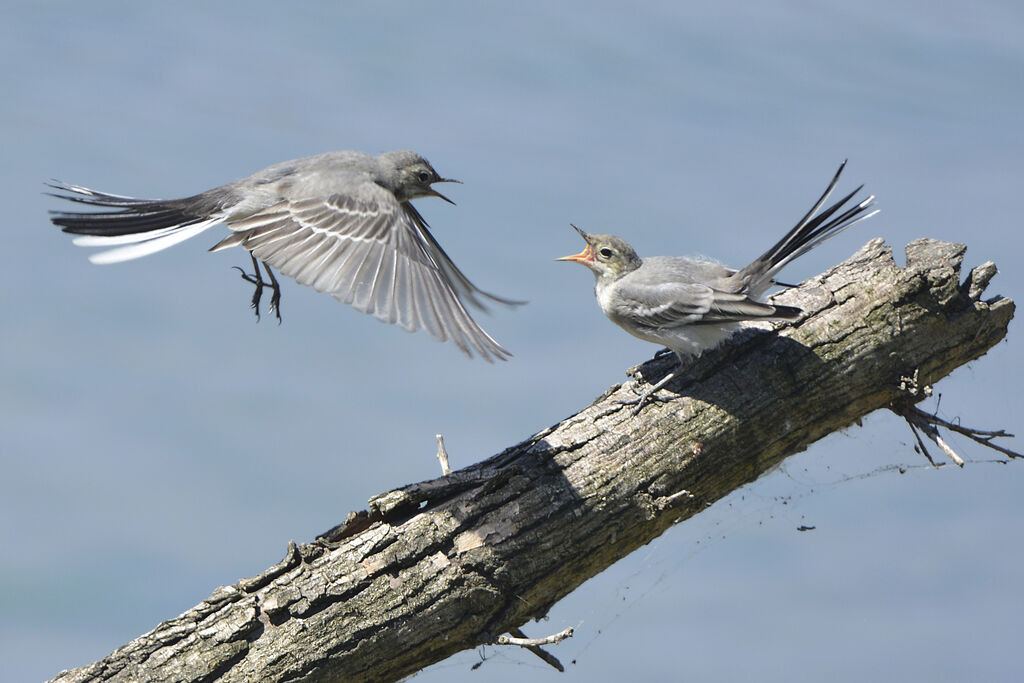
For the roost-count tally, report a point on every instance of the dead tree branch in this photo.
(440, 566)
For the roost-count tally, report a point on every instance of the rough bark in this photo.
(441, 566)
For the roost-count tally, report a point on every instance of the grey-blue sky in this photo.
(157, 443)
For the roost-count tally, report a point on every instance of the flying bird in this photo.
(341, 223)
(689, 305)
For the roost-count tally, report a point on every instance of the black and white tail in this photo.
(135, 227)
(813, 229)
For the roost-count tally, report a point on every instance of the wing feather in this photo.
(675, 304)
(373, 253)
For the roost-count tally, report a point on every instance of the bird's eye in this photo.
(606, 252)
(424, 176)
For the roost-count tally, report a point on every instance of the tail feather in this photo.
(813, 229)
(150, 245)
(114, 240)
(118, 223)
(84, 195)
(138, 227)
(132, 215)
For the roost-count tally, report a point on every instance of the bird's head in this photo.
(415, 176)
(607, 255)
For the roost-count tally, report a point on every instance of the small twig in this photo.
(928, 423)
(982, 436)
(920, 444)
(519, 638)
(674, 500)
(442, 456)
(920, 419)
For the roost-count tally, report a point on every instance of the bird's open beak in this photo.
(586, 256)
(438, 194)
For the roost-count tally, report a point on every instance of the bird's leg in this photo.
(257, 280)
(275, 298)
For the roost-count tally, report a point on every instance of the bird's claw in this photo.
(275, 303)
(257, 295)
(246, 276)
(256, 280)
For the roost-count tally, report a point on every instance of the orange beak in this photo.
(585, 257)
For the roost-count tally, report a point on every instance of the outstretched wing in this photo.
(372, 253)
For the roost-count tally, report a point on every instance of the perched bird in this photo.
(691, 306)
(340, 222)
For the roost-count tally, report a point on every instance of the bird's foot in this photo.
(275, 298)
(256, 280)
(275, 301)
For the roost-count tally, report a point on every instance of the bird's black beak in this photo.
(438, 194)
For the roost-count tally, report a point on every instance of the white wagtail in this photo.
(691, 306)
(340, 222)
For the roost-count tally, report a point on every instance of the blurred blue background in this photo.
(156, 442)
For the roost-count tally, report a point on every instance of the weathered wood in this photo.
(441, 566)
